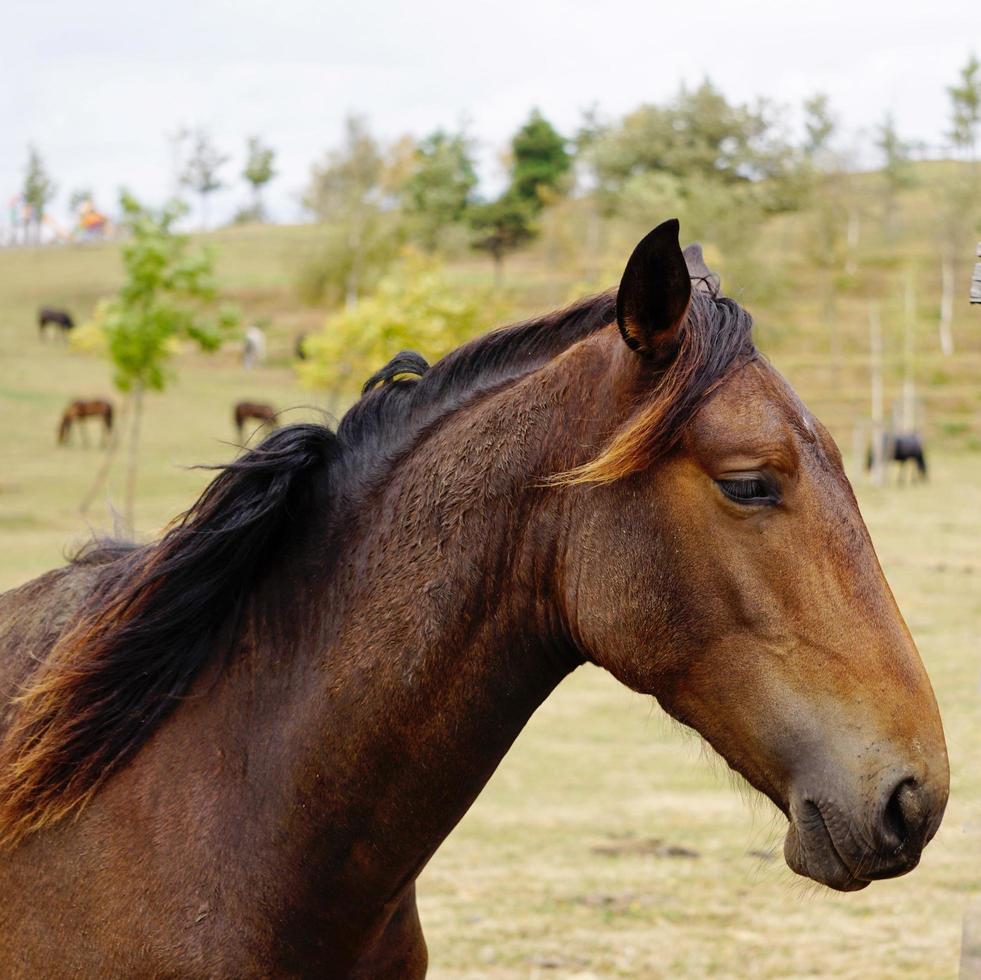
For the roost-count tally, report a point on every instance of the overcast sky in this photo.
(97, 86)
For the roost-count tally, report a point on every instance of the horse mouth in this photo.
(811, 851)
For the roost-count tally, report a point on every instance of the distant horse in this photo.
(259, 411)
(902, 448)
(253, 346)
(59, 318)
(232, 752)
(81, 409)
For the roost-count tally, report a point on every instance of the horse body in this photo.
(260, 411)
(902, 448)
(408, 611)
(59, 318)
(82, 409)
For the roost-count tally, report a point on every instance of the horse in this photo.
(902, 447)
(59, 318)
(231, 752)
(260, 411)
(253, 346)
(81, 409)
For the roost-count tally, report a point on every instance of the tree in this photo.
(958, 191)
(897, 170)
(819, 126)
(540, 165)
(348, 194)
(201, 171)
(79, 198)
(540, 161)
(502, 226)
(414, 306)
(965, 100)
(168, 294)
(439, 190)
(38, 191)
(698, 135)
(258, 172)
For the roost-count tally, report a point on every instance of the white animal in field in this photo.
(253, 346)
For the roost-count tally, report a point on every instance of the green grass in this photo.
(519, 889)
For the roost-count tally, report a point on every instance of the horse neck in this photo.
(438, 634)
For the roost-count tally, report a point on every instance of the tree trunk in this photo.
(136, 404)
(946, 301)
(830, 314)
(878, 413)
(102, 474)
(852, 233)
(908, 423)
(498, 256)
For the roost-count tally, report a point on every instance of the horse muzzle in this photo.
(848, 848)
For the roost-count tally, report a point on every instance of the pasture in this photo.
(607, 844)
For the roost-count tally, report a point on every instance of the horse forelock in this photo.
(715, 339)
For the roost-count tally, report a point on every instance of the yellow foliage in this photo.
(415, 307)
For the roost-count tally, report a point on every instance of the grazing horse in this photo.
(902, 448)
(253, 346)
(263, 413)
(78, 410)
(59, 318)
(232, 752)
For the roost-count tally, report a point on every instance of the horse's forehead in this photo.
(758, 397)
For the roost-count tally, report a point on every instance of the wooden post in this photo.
(878, 402)
(908, 423)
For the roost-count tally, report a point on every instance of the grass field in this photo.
(607, 844)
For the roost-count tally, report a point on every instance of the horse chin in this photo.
(811, 852)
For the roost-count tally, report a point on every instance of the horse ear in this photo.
(699, 273)
(654, 294)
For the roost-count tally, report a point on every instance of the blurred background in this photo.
(220, 217)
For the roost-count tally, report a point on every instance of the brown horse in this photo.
(260, 411)
(262, 727)
(97, 408)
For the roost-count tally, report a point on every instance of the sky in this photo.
(99, 86)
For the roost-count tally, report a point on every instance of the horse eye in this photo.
(748, 490)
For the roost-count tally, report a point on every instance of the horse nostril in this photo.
(904, 816)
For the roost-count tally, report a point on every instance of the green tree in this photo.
(440, 187)
(697, 135)
(168, 295)
(540, 168)
(258, 172)
(502, 226)
(78, 198)
(38, 191)
(820, 126)
(958, 191)
(414, 306)
(965, 102)
(540, 161)
(349, 195)
(201, 172)
(897, 169)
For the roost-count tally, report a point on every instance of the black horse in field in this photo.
(59, 318)
(902, 448)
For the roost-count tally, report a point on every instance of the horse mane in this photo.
(114, 675)
(151, 625)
